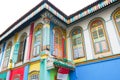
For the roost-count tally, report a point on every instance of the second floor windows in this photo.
(37, 40)
(116, 17)
(98, 36)
(58, 43)
(7, 55)
(77, 43)
(22, 46)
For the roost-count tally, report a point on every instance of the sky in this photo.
(12, 10)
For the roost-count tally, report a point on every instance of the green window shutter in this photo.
(15, 54)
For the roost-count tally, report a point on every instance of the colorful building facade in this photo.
(46, 44)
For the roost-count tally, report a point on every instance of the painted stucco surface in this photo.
(104, 70)
(34, 66)
(53, 74)
(18, 71)
(3, 76)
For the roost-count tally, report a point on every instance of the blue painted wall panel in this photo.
(26, 72)
(3, 48)
(51, 38)
(104, 70)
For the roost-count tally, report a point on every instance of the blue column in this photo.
(8, 75)
(51, 38)
(3, 49)
(46, 36)
(44, 73)
(26, 71)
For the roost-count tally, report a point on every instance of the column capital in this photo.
(45, 18)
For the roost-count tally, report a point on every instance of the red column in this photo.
(63, 46)
(30, 40)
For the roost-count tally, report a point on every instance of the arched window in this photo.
(77, 43)
(116, 17)
(98, 36)
(58, 48)
(22, 47)
(7, 55)
(16, 77)
(37, 40)
(34, 75)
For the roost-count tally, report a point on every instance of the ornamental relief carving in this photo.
(46, 17)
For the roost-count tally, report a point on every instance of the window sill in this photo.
(79, 60)
(101, 55)
(35, 59)
(18, 64)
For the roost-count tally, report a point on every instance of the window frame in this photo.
(114, 19)
(105, 35)
(23, 40)
(38, 27)
(83, 42)
(60, 33)
(8, 47)
(34, 73)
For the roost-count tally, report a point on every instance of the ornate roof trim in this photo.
(45, 4)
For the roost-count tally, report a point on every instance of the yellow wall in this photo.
(35, 66)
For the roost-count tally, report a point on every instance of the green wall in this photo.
(53, 74)
(3, 76)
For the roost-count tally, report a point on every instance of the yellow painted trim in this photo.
(114, 18)
(39, 26)
(16, 38)
(67, 48)
(44, 56)
(79, 60)
(96, 60)
(34, 66)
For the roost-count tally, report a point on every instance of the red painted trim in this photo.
(63, 45)
(30, 41)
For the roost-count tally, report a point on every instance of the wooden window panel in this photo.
(58, 44)
(6, 58)
(99, 39)
(37, 43)
(21, 51)
(34, 77)
(117, 18)
(77, 44)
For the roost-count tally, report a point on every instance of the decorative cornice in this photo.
(53, 19)
(45, 4)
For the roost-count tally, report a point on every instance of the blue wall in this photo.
(103, 70)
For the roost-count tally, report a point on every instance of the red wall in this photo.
(19, 71)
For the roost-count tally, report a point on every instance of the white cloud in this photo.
(12, 10)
